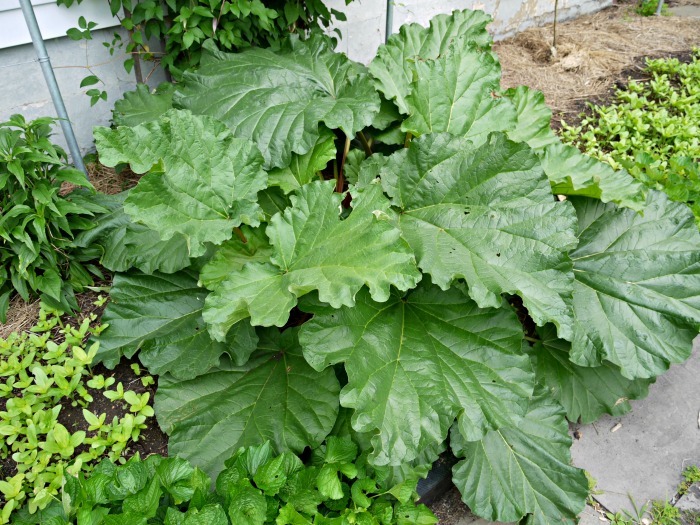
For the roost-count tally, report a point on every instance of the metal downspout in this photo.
(389, 20)
(47, 70)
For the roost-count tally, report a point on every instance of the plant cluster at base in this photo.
(385, 243)
(652, 130)
(37, 223)
(43, 372)
(256, 487)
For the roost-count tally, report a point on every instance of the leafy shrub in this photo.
(46, 372)
(399, 223)
(652, 130)
(184, 25)
(649, 7)
(256, 487)
(37, 224)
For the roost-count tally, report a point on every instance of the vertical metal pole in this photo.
(389, 20)
(659, 7)
(47, 70)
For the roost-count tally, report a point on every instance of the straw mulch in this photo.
(592, 53)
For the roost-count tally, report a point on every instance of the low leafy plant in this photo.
(649, 7)
(46, 372)
(663, 513)
(310, 233)
(256, 487)
(37, 223)
(691, 474)
(651, 130)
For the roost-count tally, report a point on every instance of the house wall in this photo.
(23, 89)
(364, 30)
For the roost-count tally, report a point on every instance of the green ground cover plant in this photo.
(651, 129)
(37, 223)
(402, 247)
(46, 372)
(256, 485)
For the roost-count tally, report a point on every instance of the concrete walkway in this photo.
(641, 454)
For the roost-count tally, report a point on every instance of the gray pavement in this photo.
(643, 453)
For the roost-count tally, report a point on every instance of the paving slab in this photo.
(692, 11)
(643, 452)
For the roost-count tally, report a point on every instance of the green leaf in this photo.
(248, 505)
(416, 363)
(586, 393)
(453, 94)
(523, 469)
(572, 173)
(212, 514)
(273, 475)
(90, 80)
(143, 105)
(233, 255)
(145, 502)
(276, 396)
(464, 217)
(306, 258)
(278, 98)
(305, 168)
(162, 316)
(394, 66)
(637, 290)
(533, 121)
(126, 244)
(202, 182)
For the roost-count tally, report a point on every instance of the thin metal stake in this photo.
(658, 7)
(389, 20)
(47, 70)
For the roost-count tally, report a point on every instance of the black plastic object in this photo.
(439, 479)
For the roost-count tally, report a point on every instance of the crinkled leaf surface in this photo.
(573, 173)
(279, 98)
(143, 105)
(233, 255)
(533, 121)
(127, 244)
(305, 168)
(162, 316)
(586, 393)
(453, 94)
(523, 469)
(637, 291)
(393, 67)
(315, 250)
(202, 182)
(416, 363)
(464, 217)
(276, 396)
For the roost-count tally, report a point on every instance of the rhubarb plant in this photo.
(403, 251)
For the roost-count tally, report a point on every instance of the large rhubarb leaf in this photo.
(278, 98)
(126, 244)
(305, 168)
(276, 396)
(162, 316)
(454, 94)
(201, 181)
(523, 469)
(416, 363)
(637, 292)
(533, 121)
(486, 214)
(143, 105)
(315, 250)
(573, 173)
(234, 255)
(586, 393)
(393, 68)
